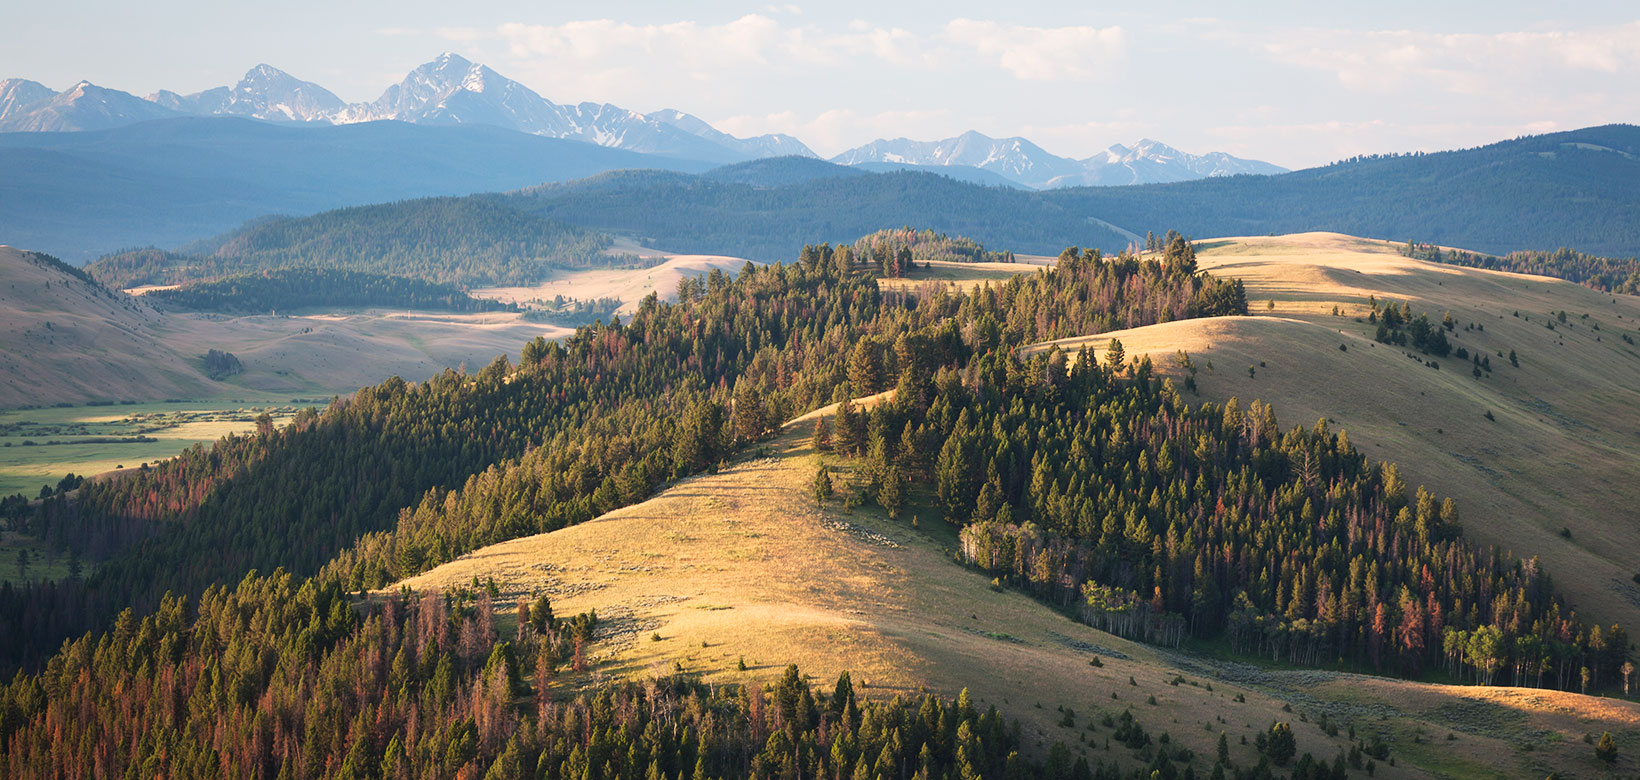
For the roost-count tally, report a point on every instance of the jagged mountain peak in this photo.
(84, 106)
(19, 95)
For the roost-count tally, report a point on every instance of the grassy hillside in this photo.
(71, 341)
(1578, 189)
(752, 571)
(67, 339)
(1560, 450)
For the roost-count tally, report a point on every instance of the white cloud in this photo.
(1043, 53)
(1388, 61)
(749, 40)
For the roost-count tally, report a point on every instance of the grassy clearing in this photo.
(1561, 450)
(43, 562)
(40, 446)
(958, 275)
(743, 566)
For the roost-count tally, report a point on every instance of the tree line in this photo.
(287, 289)
(470, 241)
(893, 251)
(1100, 489)
(1608, 275)
(278, 677)
(288, 676)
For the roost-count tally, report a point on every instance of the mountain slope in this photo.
(453, 90)
(69, 339)
(1150, 162)
(689, 214)
(1014, 158)
(80, 195)
(1561, 449)
(264, 93)
(779, 171)
(84, 106)
(1579, 189)
(18, 95)
(1024, 163)
(766, 145)
(755, 573)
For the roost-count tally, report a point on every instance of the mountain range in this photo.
(451, 90)
(1019, 160)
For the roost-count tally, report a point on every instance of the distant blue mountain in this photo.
(965, 173)
(81, 194)
(780, 171)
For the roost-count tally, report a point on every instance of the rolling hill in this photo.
(754, 574)
(461, 240)
(69, 340)
(1559, 449)
(694, 215)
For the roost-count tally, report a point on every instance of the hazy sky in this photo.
(1295, 83)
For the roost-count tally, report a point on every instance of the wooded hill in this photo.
(1578, 189)
(287, 289)
(1175, 519)
(467, 241)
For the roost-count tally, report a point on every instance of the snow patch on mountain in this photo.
(1025, 163)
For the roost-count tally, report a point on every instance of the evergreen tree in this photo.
(822, 486)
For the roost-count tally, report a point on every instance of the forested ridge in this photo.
(1101, 489)
(285, 289)
(1574, 189)
(1608, 275)
(468, 241)
(600, 421)
(695, 214)
(1097, 488)
(279, 678)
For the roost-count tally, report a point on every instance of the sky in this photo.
(1287, 82)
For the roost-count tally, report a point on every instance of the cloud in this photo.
(752, 39)
(1043, 53)
(1388, 61)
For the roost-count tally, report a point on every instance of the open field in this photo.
(68, 341)
(42, 561)
(629, 285)
(330, 354)
(959, 275)
(742, 565)
(39, 446)
(1562, 450)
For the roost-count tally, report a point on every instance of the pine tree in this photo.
(1606, 748)
(822, 486)
(1115, 356)
(822, 434)
(1281, 746)
(892, 494)
(865, 372)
